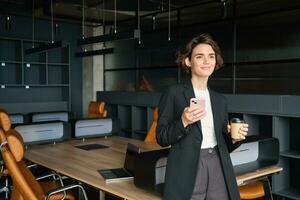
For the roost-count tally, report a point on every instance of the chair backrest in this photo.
(151, 136)
(5, 122)
(97, 109)
(25, 186)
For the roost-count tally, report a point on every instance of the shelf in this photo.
(35, 85)
(138, 136)
(126, 130)
(60, 55)
(124, 114)
(57, 85)
(35, 75)
(10, 50)
(142, 132)
(58, 75)
(295, 60)
(34, 63)
(58, 64)
(139, 119)
(10, 61)
(112, 110)
(38, 63)
(11, 73)
(291, 154)
(41, 106)
(289, 193)
(45, 85)
(143, 67)
(11, 85)
(259, 124)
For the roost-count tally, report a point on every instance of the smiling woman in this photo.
(197, 134)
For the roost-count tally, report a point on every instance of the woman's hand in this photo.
(192, 115)
(243, 131)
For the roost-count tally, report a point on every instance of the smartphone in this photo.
(197, 102)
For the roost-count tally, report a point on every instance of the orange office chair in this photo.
(25, 186)
(5, 124)
(252, 190)
(97, 109)
(257, 190)
(151, 136)
(4, 174)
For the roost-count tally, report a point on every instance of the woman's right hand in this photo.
(191, 115)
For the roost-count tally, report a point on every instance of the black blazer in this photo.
(182, 164)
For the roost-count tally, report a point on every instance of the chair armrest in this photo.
(32, 166)
(53, 174)
(65, 188)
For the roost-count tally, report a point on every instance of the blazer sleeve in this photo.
(231, 147)
(169, 128)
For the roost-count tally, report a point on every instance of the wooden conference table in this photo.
(83, 165)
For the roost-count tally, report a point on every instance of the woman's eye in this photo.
(212, 56)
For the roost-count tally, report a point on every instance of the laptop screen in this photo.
(131, 154)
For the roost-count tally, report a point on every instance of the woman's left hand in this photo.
(243, 131)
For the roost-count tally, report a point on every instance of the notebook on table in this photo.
(117, 174)
(124, 173)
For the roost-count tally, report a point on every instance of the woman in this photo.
(199, 165)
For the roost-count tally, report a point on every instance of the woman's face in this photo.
(203, 61)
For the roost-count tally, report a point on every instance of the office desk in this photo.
(257, 175)
(82, 165)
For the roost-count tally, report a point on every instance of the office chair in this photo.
(256, 190)
(4, 174)
(97, 109)
(5, 124)
(25, 186)
(151, 135)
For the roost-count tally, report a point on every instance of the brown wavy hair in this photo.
(200, 39)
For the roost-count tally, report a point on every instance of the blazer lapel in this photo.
(188, 91)
(215, 106)
(188, 94)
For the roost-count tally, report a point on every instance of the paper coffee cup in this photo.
(236, 124)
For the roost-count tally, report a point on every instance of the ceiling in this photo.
(95, 10)
(98, 11)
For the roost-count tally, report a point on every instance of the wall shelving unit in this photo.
(275, 116)
(36, 82)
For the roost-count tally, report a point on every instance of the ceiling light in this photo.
(111, 37)
(44, 47)
(94, 52)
